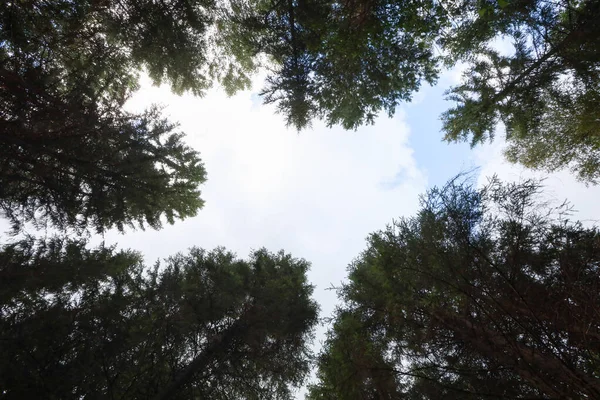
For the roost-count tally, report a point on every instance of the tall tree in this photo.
(98, 323)
(170, 39)
(71, 157)
(546, 93)
(343, 62)
(483, 294)
(340, 61)
(70, 165)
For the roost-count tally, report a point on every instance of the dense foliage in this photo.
(483, 294)
(71, 157)
(486, 293)
(343, 62)
(546, 92)
(96, 323)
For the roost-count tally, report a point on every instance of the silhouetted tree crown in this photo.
(98, 323)
(484, 293)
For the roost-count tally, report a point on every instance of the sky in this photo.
(318, 193)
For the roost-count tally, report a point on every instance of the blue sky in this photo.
(439, 160)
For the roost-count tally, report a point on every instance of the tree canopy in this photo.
(485, 293)
(71, 156)
(340, 61)
(545, 93)
(99, 324)
(344, 62)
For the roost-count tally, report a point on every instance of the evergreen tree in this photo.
(70, 156)
(547, 94)
(483, 294)
(99, 324)
(339, 61)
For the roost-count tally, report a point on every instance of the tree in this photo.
(546, 93)
(485, 293)
(71, 157)
(171, 39)
(98, 323)
(342, 62)
(104, 169)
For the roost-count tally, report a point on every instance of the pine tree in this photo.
(71, 157)
(485, 293)
(98, 323)
(345, 62)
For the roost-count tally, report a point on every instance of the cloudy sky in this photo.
(317, 194)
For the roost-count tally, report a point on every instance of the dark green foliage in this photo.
(70, 156)
(353, 366)
(97, 323)
(168, 38)
(343, 62)
(115, 171)
(546, 94)
(483, 294)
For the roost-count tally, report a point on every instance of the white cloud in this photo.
(268, 185)
(454, 75)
